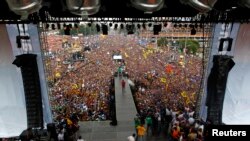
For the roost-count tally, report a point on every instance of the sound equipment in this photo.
(32, 90)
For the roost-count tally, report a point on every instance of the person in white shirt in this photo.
(80, 138)
(61, 136)
(131, 138)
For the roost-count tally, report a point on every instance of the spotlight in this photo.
(138, 26)
(193, 31)
(83, 7)
(104, 29)
(165, 24)
(150, 24)
(47, 26)
(58, 26)
(157, 29)
(185, 25)
(127, 26)
(98, 28)
(24, 7)
(180, 25)
(53, 26)
(144, 26)
(130, 28)
(116, 26)
(200, 6)
(244, 3)
(148, 6)
(67, 30)
(89, 24)
(175, 25)
(121, 26)
(110, 24)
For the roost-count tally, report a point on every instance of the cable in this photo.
(202, 73)
(18, 39)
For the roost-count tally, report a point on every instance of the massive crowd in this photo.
(164, 78)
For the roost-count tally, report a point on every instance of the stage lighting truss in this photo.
(244, 3)
(202, 7)
(148, 6)
(24, 7)
(83, 8)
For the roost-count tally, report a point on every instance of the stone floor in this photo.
(125, 113)
(103, 131)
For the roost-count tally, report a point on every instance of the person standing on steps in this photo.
(120, 71)
(123, 85)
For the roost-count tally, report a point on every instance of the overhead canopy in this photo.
(233, 9)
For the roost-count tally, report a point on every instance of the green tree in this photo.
(162, 41)
(191, 45)
(81, 29)
(61, 32)
(73, 31)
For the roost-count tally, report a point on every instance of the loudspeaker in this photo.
(98, 28)
(229, 40)
(67, 30)
(104, 29)
(157, 29)
(216, 87)
(32, 89)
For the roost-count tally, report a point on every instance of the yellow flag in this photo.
(126, 55)
(188, 101)
(74, 86)
(145, 55)
(184, 94)
(58, 74)
(163, 80)
(166, 86)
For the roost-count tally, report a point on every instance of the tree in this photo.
(162, 41)
(191, 45)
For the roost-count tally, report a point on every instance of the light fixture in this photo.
(148, 6)
(244, 3)
(98, 28)
(193, 31)
(53, 27)
(116, 26)
(24, 7)
(202, 7)
(104, 29)
(83, 8)
(157, 29)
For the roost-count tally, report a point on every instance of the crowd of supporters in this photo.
(166, 80)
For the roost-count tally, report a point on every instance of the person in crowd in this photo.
(141, 132)
(149, 123)
(175, 134)
(80, 138)
(131, 137)
(61, 136)
(123, 83)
